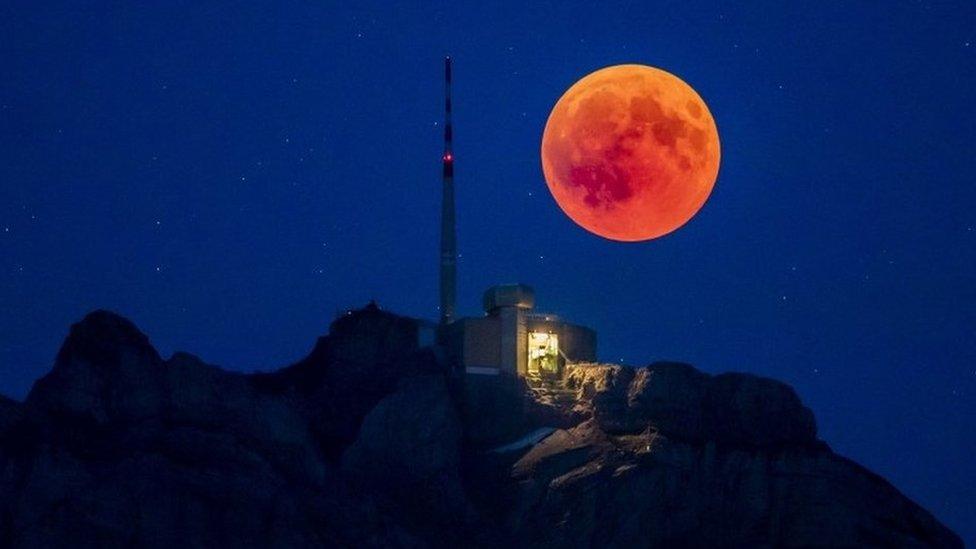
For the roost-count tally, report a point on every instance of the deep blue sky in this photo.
(229, 175)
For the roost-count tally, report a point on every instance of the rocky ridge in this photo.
(370, 441)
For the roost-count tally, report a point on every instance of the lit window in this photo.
(543, 353)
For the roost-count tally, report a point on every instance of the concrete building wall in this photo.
(481, 336)
(576, 343)
(513, 341)
(498, 343)
(501, 340)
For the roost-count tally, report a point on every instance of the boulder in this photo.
(667, 395)
(362, 360)
(410, 439)
(755, 411)
(584, 487)
(683, 403)
(106, 371)
(408, 452)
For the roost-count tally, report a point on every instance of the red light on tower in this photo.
(448, 157)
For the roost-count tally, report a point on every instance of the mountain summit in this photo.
(371, 441)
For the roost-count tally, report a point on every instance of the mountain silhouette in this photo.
(371, 441)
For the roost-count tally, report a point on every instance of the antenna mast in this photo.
(448, 286)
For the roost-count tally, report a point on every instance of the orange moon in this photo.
(630, 152)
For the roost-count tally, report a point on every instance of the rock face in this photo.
(370, 441)
(685, 404)
(675, 458)
(116, 446)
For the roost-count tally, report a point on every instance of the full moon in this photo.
(630, 152)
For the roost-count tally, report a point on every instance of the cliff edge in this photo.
(371, 441)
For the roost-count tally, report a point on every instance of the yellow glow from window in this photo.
(543, 352)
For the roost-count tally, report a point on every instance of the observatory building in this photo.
(510, 340)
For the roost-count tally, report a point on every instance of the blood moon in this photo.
(630, 152)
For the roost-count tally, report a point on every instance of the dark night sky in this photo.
(230, 176)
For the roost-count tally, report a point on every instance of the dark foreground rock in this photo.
(371, 442)
(724, 461)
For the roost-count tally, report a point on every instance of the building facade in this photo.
(511, 339)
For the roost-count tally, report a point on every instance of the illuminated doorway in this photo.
(543, 354)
